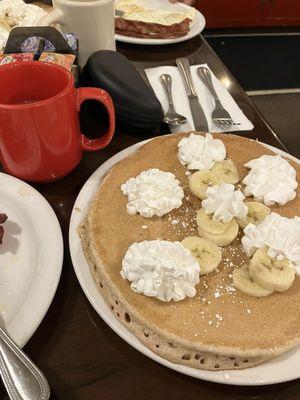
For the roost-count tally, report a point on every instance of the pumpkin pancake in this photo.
(219, 328)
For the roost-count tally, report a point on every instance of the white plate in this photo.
(281, 369)
(197, 27)
(31, 258)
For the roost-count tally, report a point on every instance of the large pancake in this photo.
(217, 329)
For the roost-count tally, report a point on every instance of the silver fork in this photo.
(220, 116)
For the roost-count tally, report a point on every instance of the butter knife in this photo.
(198, 115)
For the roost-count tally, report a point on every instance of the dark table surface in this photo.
(81, 356)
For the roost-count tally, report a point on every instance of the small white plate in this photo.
(281, 369)
(31, 258)
(197, 27)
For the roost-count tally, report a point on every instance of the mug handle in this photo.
(104, 98)
(54, 17)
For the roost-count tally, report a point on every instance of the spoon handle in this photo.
(167, 84)
(21, 378)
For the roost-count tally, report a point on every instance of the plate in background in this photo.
(31, 258)
(197, 27)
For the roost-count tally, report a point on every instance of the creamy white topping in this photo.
(153, 192)
(137, 11)
(18, 13)
(161, 269)
(3, 36)
(271, 180)
(224, 203)
(280, 234)
(199, 152)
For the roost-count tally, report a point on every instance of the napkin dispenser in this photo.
(136, 105)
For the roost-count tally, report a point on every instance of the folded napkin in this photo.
(206, 100)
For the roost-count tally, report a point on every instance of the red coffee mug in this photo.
(40, 136)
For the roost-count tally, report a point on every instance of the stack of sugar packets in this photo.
(44, 44)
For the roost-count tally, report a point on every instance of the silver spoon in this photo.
(21, 378)
(171, 117)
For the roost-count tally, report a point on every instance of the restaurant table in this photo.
(80, 355)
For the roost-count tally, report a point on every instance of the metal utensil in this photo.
(171, 117)
(220, 116)
(199, 118)
(21, 378)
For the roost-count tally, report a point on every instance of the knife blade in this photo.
(198, 115)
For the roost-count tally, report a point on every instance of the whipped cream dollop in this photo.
(224, 203)
(18, 13)
(153, 192)
(271, 180)
(200, 152)
(280, 234)
(161, 269)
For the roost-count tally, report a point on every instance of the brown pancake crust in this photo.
(225, 328)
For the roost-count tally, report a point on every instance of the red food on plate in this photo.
(3, 218)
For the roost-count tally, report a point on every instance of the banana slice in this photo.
(199, 182)
(271, 273)
(220, 233)
(205, 222)
(243, 282)
(221, 239)
(226, 171)
(257, 212)
(207, 254)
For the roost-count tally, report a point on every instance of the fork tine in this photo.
(225, 121)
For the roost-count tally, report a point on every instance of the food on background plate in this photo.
(4, 32)
(17, 13)
(229, 316)
(3, 218)
(141, 20)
